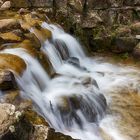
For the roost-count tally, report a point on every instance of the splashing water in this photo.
(73, 102)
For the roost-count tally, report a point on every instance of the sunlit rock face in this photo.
(8, 24)
(12, 62)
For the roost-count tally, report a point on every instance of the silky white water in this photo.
(82, 80)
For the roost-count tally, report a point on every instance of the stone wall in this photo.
(110, 25)
(31, 3)
(101, 25)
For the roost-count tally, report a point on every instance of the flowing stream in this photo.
(78, 100)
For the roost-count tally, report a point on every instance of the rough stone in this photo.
(12, 123)
(8, 24)
(123, 44)
(11, 37)
(12, 62)
(91, 20)
(7, 80)
(136, 51)
(31, 3)
(6, 5)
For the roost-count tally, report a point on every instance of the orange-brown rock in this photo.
(8, 24)
(12, 62)
(10, 37)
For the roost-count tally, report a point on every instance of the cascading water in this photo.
(73, 102)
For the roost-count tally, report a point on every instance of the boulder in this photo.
(12, 62)
(7, 80)
(11, 37)
(88, 81)
(61, 47)
(12, 124)
(5, 6)
(8, 24)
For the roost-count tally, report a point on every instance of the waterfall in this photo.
(73, 102)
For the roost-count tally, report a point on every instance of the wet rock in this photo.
(42, 34)
(29, 20)
(88, 81)
(7, 80)
(8, 24)
(23, 11)
(34, 39)
(123, 44)
(136, 51)
(68, 107)
(45, 133)
(52, 135)
(6, 5)
(42, 130)
(34, 50)
(12, 62)
(62, 48)
(74, 61)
